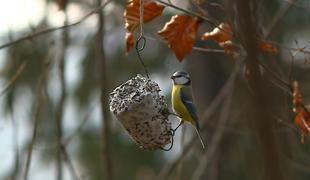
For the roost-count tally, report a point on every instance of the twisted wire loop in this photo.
(139, 49)
(171, 145)
(141, 39)
(140, 45)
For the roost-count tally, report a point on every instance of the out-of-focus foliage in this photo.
(236, 157)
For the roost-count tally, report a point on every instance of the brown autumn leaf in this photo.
(132, 13)
(180, 33)
(266, 47)
(302, 118)
(219, 34)
(228, 46)
(130, 41)
(62, 4)
(302, 121)
(297, 99)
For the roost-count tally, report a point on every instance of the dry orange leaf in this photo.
(180, 33)
(132, 13)
(228, 46)
(220, 34)
(266, 47)
(130, 41)
(302, 119)
(297, 99)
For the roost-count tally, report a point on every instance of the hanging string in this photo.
(141, 39)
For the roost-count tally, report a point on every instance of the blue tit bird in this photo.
(182, 101)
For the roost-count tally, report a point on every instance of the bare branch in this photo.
(15, 77)
(216, 137)
(49, 30)
(107, 168)
(208, 20)
(41, 84)
(209, 50)
(80, 126)
(69, 162)
(64, 41)
(299, 5)
(261, 99)
(278, 16)
(168, 169)
(17, 160)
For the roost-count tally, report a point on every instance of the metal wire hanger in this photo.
(139, 48)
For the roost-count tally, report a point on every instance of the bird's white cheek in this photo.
(181, 80)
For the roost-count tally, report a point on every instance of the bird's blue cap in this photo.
(180, 74)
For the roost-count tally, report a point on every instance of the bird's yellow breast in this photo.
(178, 106)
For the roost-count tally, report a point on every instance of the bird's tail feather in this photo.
(200, 138)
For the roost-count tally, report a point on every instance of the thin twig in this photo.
(14, 78)
(180, 165)
(194, 48)
(197, 5)
(69, 162)
(80, 126)
(222, 121)
(211, 22)
(261, 99)
(287, 47)
(168, 169)
(64, 41)
(209, 50)
(107, 168)
(299, 5)
(16, 167)
(216, 137)
(39, 93)
(208, 20)
(276, 76)
(277, 17)
(45, 31)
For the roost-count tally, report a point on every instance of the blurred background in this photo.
(55, 79)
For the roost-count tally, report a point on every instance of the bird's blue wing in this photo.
(187, 99)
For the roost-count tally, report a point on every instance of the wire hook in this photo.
(140, 49)
(172, 135)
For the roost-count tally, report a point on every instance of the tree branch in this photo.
(278, 16)
(168, 169)
(69, 162)
(15, 77)
(49, 30)
(216, 139)
(261, 99)
(80, 126)
(64, 41)
(41, 84)
(104, 89)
